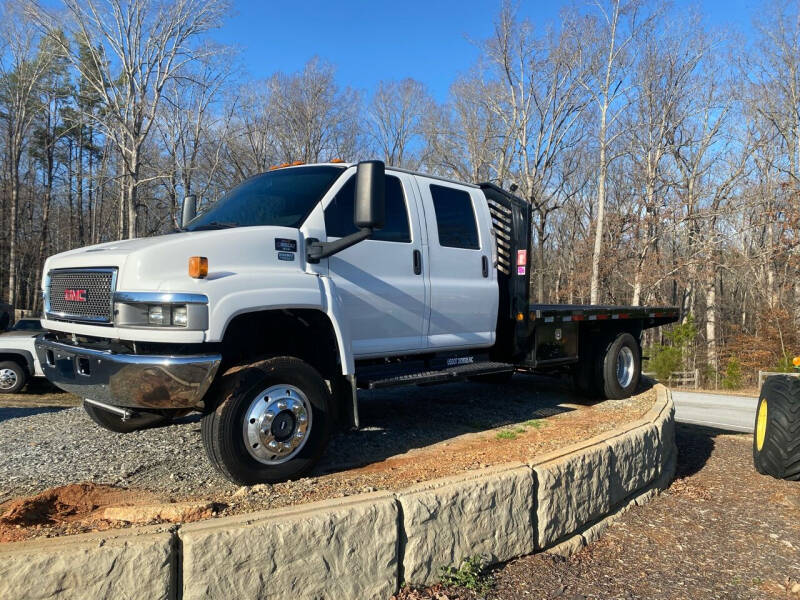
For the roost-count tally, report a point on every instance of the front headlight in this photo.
(162, 315)
(180, 315)
(146, 309)
(155, 315)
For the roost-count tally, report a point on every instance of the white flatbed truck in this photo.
(269, 311)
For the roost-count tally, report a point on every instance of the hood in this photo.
(108, 253)
(22, 334)
(161, 263)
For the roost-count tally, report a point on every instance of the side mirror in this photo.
(189, 210)
(370, 205)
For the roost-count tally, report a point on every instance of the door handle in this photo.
(485, 263)
(417, 262)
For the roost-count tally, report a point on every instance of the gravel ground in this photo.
(59, 472)
(42, 447)
(720, 531)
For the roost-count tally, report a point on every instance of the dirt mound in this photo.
(59, 504)
(81, 507)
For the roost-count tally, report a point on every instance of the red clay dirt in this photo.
(75, 507)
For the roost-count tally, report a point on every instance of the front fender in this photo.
(303, 291)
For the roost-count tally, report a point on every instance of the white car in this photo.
(18, 361)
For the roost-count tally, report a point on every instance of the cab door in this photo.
(462, 278)
(380, 280)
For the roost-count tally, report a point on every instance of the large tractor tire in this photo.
(776, 434)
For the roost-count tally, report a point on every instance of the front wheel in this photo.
(776, 435)
(271, 423)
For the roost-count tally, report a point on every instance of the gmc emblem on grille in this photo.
(75, 295)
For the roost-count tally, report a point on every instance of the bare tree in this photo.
(665, 83)
(23, 64)
(540, 103)
(137, 47)
(396, 113)
(610, 38)
(312, 118)
(193, 127)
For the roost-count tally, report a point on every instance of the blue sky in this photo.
(369, 41)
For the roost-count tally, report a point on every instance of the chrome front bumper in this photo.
(128, 380)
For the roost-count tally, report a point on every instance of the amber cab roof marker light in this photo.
(198, 267)
(336, 160)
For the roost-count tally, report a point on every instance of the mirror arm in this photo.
(317, 250)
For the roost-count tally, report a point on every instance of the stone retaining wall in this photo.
(367, 545)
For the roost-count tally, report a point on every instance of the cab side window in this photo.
(339, 213)
(455, 218)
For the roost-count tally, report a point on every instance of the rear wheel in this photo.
(620, 367)
(13, 377)
(271, 423)
(115, 423)
(776, 436)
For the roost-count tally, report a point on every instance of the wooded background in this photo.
(660, 155)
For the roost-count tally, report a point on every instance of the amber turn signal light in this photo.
(796, 361)
(198, 267)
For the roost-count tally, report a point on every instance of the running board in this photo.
(440, 376)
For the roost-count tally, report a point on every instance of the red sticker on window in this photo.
(522, 259)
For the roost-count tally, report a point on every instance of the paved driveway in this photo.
(721, 411)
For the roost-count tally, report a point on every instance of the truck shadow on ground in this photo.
(39, 396)
(16, 412)
(395, 421)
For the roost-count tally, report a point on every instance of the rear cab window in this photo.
(455, 218)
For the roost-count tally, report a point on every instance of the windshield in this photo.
(282, 197)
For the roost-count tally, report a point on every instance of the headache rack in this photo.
(511, 221)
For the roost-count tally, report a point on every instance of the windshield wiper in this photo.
(214, 225)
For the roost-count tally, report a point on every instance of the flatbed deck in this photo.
(553, 313)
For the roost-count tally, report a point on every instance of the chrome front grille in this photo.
(81, 294)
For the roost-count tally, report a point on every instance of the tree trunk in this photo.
(12, 239)
(69, 196)
(540, 258)
(79, 180)
(90, 193)
(601, 211)
(131, 203)
(711, 318)
(12, 232)
(132, 181)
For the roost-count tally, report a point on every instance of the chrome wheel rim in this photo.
(277, 424)
(8, 379)
(625, 366)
